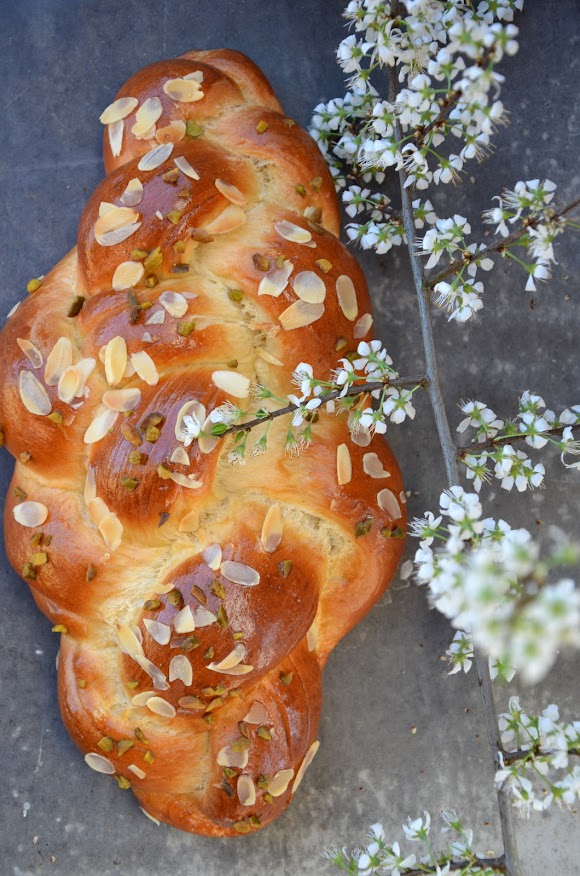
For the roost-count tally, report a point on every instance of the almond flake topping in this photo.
(234, 658)
(246, 791)
(140, 699)
(85, 368)
(373, 467)
(68, 384)
(180, 670)
(231, 192)
(136, 771)
(197, 75)
(155, 157)
(207, 442)
(90, 491)
(227, 757)
(130, 644)
(159, 632)
(183, 621)
(238, 573)
(343, 464)
(30, 513)
(188, 422)
(300, 314)
(387, 501)
(171, 133)
(231, 382)
(212, 555)
(185, 481)
(292, 232)
(145, 367)
(311, 638)
(115, 360)
(308, 758)
(185, 167)
(363, 326)
(258, 714)
(33, 394)
(240, 669)
(183, 90)
(99, 763)
(161, 707)
(346, 294)
(280, 782)
(59, 358)
(133, 194)
(97, 510)
(203, 617)
(115, 132)
(33, 355)
(174, 303)
(190, 522)
(267, 357)
(310, 287)
(122, 399)
(272, 529)
(230, 219)
(275, 281)
(100, 426)
(112, 238)
(157, 317)
(115, 219)
(146, 116)
(127, 274)
(118, 110)
(180, 456)
(111, 529)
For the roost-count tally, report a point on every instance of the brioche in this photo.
(197, 593)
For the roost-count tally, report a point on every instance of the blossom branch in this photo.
(510, 757)
(498, 440)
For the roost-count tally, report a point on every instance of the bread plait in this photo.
(197, 599)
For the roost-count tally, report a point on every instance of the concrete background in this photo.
(398, 736)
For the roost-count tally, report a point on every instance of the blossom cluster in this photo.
(490, 581)
(539, 747)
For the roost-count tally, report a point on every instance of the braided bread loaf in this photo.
(197, 600)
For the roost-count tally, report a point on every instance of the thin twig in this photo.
(496, 863)
(510, 757)
(476, 449)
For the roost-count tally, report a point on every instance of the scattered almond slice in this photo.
(189, 483)
(387, 501)
(190, 522)
(346, 294)
(300, 314)
(230, 219)
(231, 192)
(402, 498)
(361, 437)
(155, 157)
(127, 274)
(59, 359)
(267, 357)
(33, 394)
(184, 622)
(133, 193)
(157, 317)
(203, 617)
(159, 632)
(30, 513)
(171, 133)
(292, 232)
(122, 399)
(280, 782)
(115, 132)
(272, 529)
(310, 287)
(193, 409)
(161, 707)
(100, 426)
(246, 791)
(311, 638)
(174, 303)
(114, 218)
(232, 382)
(212, 555)
(33, 355)
(140, 699)
(308, 758)
(119, 109)
(197, 75)
(234, 658)
(180, 670)
(146, 117)
(145, 367)
(343, 465)
(115, 360)
(180, 456)
(183, 90)
(90, 491)
(239, 573)
(185, 167)
(275, 281)
(68, 384)
(227, 757)
(373, 467)
(137, 771)
(158, 678)
(85, 368)
(258, 714)
(129, 644)
(112, 238)
(111, 529)
(363, 326)
(106, 207)
(207, 442)
(240, 669)
(99, 763)
(97, 510)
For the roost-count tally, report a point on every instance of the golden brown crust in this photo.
(119, 562)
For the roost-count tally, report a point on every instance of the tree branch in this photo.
(477, 449)
(496, 863)
(510, 757)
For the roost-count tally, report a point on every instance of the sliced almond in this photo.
(203, 617)
(171, 133)
(159, 680)
(361, 437)
(127, 274)
(272, 529)
(190, 483)
(97, 510)
(230, 219)
(133, 193)
(33, 355)
(155, 157)
(137, 771)
(246, 791)
(183, 90)
(373, 467)
(156, 317)
(140, 699)
(234, 658)
(68, 384)
(99, 764)
(267, 357)
(258, 714)
(184, 622)
(310, 287)
(190, 522)
(90, 491)
(180, 456)
(193, 409)
(402, 498)
(292, 232)
(159, 632)
(59, 358)
(114, 218)
(146, 116)
(227, 757)
(232, 382)
(30, 513)
(145, 367)
(115, 132)
(343, 465)
(387, 501)
(122, 399)
(212, 555)
(111, 529)
(100, 426)
(84, 368)
(300, 314)
(115, 360)
(174, 303)
(280, 782)
(312, 638)
(161, 707)
(275, 281)
(185, 167)
(33, 394)
(240, 669)
(346, 294)
(119, 109)
(197, 75)
(231, 192)
(106, 207)
(112, 238)
(239, 573)
(130, 645)
(363, 326)
(180, 670)
(308, 758)
(207, 442)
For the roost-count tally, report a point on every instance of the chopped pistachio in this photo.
(237, 635)
(124, 745)
(263, 733)
(261, 262)
(324, 265)
(235, 692)
(240, 744)
(46, 540)
(233, 363)
(137, 255)
(28, 571)
(217, 701)
(179, 247)
(199, 594)
(192, 129)
(25, 456)
(200, 235)
(135, 457)
(123, 783)
(33, 285)
(255, 821)
(154, 259)
(340, 344)
(262, 126)
(315, 183)
(268, 799)
(151, 605)
(222, 617)
(218, 589)
(193, 703)
(229, 772)
(351, 355)
(300, 190)
(208, 654)
(185, 327)
(139, 735)
(163, 518)
(148, 757)
(241, 826)
(190, 643)
(263, 782)
(39, 559)
(285, 567)
(243, 728)
(363, 527)
(106, 743)
(316, 216)
(81, 683)
(151, 281)
(153, 419)
(175, 598)
(184, 193)
(36, 539)
(174, 217)
(286, 677)
(280, 261)
(213, 691)
(171, 176)
(76, 305)
(152, 434)
(289, 123)
(129, 484)
(225, 786)
(130, 434)
(59, 628)
(398, 532)
(91, 572)
(235, 295)
(315, 226)
(19, 493)
(56, 417)
(132, 684)
(209, 719)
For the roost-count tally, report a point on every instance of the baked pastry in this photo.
(197, 600)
